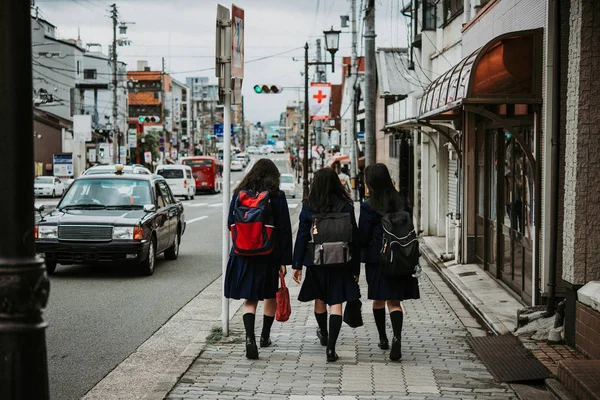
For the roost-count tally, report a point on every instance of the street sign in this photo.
(132, 138)
(147, 157)
(82, 128)
(237, 42)
(62, 164)
(122, 155)
(92, 155)
(318, 100)
(218, 130)
(361, 135)
(222, 19)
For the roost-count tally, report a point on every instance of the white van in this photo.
(180, 179)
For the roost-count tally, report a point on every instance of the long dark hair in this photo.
(326, 190)
(384, 196)
(264, 175)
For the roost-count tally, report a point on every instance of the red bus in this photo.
(207, 172)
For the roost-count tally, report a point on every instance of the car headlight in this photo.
(123, 233)
(47, 232)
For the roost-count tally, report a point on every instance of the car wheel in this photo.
(50, 267)
(53, 193)
(186, 197)
(147, 266)
(173, 252)
(192, 196)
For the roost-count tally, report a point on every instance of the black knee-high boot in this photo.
(265, 336)
(322, 331)
(335, 324)
(397, 318)
(251, 349)
(379, 314)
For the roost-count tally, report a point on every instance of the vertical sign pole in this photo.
(305, 188)
(226, 52)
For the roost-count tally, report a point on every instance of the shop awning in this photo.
(506, 70)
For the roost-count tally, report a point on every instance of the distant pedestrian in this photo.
(361, 183)
(326, 284)
(256, 277)
(383, 199)
(344, 178)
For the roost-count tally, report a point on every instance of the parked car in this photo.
(252, 150)
(109, 169)
(288, 185)
(112, 219)
(48, 186)
(180, 179)
(236, 165)
(243, 158)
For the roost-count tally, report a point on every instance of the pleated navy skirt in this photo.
(332, 285)
(383, 288)
(251, 278)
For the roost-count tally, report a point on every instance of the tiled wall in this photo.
(587, 331)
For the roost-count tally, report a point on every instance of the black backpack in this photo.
(400, 247)
(331, 238)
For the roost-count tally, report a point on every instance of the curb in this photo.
(474, 304)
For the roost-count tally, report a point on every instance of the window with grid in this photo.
(89, 74)
(452, 8)
(429, 14)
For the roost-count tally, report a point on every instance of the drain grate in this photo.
(507, 360)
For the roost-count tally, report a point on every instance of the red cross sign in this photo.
(319, 94)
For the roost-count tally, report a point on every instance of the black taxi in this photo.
(112, 218)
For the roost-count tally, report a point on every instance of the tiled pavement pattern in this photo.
(437, 362)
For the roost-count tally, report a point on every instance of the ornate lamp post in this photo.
(332, 44)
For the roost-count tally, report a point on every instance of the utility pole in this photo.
(162, 109)
(370, 83)
(114, 14)
(188, 111)
(354, 80)
(305, 160)
(25, 286)
(318, 129)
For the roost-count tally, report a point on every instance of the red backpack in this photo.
(253, 228)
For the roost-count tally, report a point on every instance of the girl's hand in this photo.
(283, 270)
(297, 276)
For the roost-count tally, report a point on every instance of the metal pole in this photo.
(188, 110)
(24, 284)
(226, 169)
(305, 160)
(370, 83)
(354, 80)
(115, 136)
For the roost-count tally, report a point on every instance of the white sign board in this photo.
(62, 164)
(92, 155)
(319, 95)
(132, 138)
(147, 157)
(237, 42)
(334, 138)
(122, 155)
(82, 128)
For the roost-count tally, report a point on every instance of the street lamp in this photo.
(332, 41)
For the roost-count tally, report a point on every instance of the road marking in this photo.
(293, 205)
(197, 219)
(197, 204)
(216, 205)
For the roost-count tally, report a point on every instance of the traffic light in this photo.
(273, 89)
(152, 119)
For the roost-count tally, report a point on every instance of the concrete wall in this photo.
(581, 237)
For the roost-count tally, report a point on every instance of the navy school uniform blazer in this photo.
(301, 253)
(282, 250)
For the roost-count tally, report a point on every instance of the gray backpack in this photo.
(331, 238)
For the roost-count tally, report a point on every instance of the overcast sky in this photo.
(183, 31)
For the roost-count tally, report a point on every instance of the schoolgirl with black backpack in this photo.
(390, 251)
(261, 234)
(326, 244)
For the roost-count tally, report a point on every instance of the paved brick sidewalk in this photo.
(437, 363)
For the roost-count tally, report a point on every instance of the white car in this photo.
(288, 185)
(252, 150)
(236, 165)
(180, 179)
(110, 169)
(48, 186)
(241, 157)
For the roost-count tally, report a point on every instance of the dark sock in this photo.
(397, 318)
(322, 321)
(267, 324)
(249, 324)
(335, 324)
(379, 314)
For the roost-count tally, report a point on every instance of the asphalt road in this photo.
(98, 316)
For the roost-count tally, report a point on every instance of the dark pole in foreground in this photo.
(23, 282)
(305, 160)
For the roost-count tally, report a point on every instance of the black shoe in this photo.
(331, 355)
(322, 338)
(251, 349)
(265, 342)
(396, 352)
(383, 344)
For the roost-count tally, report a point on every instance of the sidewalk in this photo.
(437, 362)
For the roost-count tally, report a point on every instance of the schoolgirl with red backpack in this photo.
(261, 233)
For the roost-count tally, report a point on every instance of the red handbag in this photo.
(284, 309)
